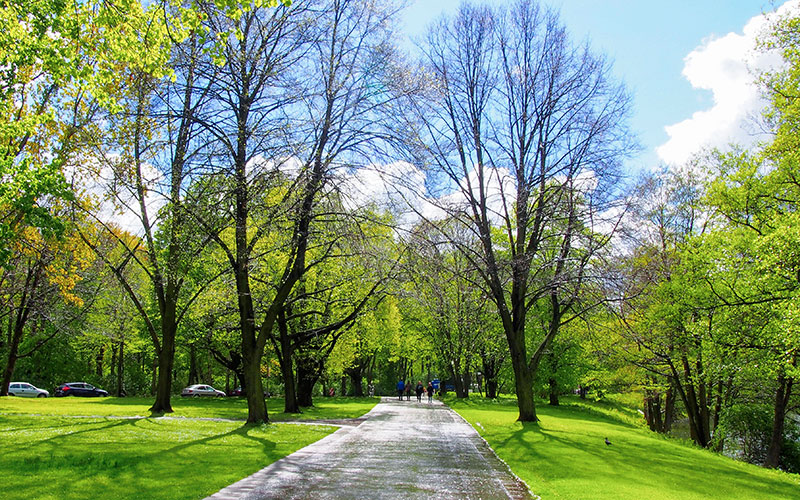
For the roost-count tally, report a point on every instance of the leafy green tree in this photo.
(757, 195)
(454, 311)
(54, 49)
(41, 294)
(668, 311)
(361, 349)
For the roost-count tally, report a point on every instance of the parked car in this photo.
(79, 389)
(198, 390)
(26, 390)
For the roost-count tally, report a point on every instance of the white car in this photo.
(198, 390)
(26, 390)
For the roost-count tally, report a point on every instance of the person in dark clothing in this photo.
(401, 386)
(419, 390)
(408, 391)
(430, 392)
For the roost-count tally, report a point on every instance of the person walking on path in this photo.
(419, 390)
(430, 391)
(408, 391)
(400, 388)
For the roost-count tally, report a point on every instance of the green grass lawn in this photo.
(230, 408)
(68, 458)
(48, 454)
(565, 457)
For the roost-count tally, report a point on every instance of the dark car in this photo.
(239, 392)
(79, 389)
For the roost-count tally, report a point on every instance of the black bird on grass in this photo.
(608, 442)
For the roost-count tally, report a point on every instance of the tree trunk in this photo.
(290, 404)
(553, 390)
(166, 359)
(285, 359)
(305, 390)
(523, 379)
(523, 384)
(307, 376)
(256, 406)
(166, 356)
(491, 367)
(154, 378)
(16, 332)
(113, 365)
(698, 428)
(11, 360)
(717, 406)
(120, 370)
(100, 356)
(371, 367)
(194, 375)
(491, 388)
(669, 409)
(652, 407)
(458, 380)
(782, 396)
(356, 374)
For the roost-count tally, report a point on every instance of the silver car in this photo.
(198, 390)
(26, 390)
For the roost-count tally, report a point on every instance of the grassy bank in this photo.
(565, 457)
(49, 454)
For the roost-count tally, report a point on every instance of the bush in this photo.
(790, 453)
(746, 429)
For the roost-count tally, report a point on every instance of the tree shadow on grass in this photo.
(588, 414)
(96, 426)
(641, 464)
(245, 431)
(142, 457)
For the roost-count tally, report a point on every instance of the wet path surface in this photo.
(402, 450)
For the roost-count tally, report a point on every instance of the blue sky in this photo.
(649, 42)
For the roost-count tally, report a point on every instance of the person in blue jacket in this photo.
(401, 386)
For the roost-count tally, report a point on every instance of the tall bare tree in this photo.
(299, 100)
(144, 163)
(525, 132)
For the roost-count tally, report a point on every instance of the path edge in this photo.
(241, 487)
(496, 456)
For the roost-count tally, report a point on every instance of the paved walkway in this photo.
(403, 450)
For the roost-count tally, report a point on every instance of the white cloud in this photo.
(398, 187)
(401, 188)
(116, 201)
(725, 66)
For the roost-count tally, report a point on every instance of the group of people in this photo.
(404, 387)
